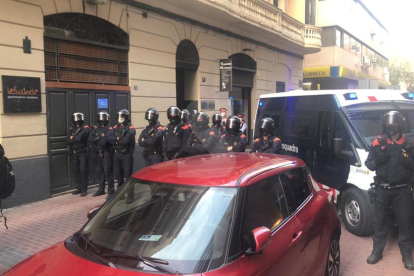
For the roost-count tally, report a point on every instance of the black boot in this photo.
(110, 193)
(84, 193)
(408, 262)
(374, 258)
(76, 192)
(98, 193)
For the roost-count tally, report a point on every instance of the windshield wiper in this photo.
(152, 262)
(96, 256)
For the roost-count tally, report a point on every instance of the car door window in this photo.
(296, 187)
(265, 205)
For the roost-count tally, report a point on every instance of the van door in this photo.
(329, 169)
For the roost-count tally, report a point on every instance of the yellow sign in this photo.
(317, 72)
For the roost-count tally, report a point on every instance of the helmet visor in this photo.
(78, 117)
(150, 115)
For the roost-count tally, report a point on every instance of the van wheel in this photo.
(334, 257)
(356, 212)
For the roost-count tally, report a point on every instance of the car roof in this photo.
(216, 169)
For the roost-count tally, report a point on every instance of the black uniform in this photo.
(237, 143)
(270, 145)
(218, 131)
(199, 142)
(123, 139)
(386, 158)
(103, 154)
(78, 152)
(175, 137)
(151, 140)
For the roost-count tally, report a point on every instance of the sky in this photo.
(397, 16)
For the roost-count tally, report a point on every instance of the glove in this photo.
(382, 158)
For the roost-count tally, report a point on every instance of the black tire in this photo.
(356, 212)
(334, 257)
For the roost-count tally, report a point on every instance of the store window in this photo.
(346, 42)
(338, 38)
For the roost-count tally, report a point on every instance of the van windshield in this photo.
(368, 123)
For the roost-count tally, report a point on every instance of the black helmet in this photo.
(102, 118)
(185, 116)
(233, 125)
(393, 123)
(123, 116)
(266, 126)
(217, 119)
(193, 113)
(151, 115)
(78, 118)
(201, 121)
(174, 115)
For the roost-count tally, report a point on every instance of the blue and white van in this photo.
(332, 131)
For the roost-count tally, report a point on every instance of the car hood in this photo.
(57, 260)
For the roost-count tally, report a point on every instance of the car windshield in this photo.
(368, 123)
(186, 226)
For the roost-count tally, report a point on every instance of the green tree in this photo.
(402, 72)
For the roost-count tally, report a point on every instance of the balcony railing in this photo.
(272, 18)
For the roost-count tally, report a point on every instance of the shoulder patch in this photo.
(131, 127)
(224, 135)
(115, 126)
(110, 128)
(242, 136)
(276, 140)
(375, 143)
(212, 133)
(86, 126)
(257, 140)
(184, 127)
(160, 128)
(70, 128)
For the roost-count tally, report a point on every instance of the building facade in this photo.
(63, 56)
(353, 51)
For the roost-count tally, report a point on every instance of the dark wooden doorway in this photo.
(61, 104)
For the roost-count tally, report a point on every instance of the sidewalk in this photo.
(36, 226)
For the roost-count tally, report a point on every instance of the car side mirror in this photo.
(260, 240)
(92, 212)
(338, 145)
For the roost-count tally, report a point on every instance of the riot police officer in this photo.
(267, 142)
(217, 126)
(192, 115)
(175, 134)
(151, 138)
(102, 151)
(390, 161)
(77, 139)
(185, 118)
(202, 138)
(123, 139)
(233, 140)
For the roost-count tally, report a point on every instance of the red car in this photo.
(223, 214)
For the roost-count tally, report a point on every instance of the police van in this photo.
(332, 132)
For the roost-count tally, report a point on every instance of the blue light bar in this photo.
(408, 95)
(350, 96)
(261, 104)
(230, 98)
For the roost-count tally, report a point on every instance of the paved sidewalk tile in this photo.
(36, 226)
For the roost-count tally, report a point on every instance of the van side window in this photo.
(296, 186)
(303, 103)
(298, 127)
(265, 205)
(326, 124)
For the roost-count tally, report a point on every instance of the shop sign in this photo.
(317, 72)
(21, 94)
(226, 78)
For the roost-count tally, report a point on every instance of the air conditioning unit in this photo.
(366, 61)
(374, 60)
(353, 48)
